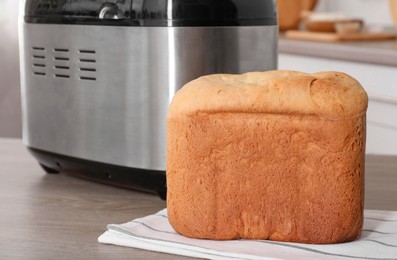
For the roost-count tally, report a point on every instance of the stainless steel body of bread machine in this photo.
(97, 76)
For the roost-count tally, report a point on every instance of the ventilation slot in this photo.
(64, 63)
(61, 58)
(88, 69)
(62, 76)
(87, 64)
(87, 51)
(38, 56)
(60, 50)
(38, 61)
(88, 60)
(87, 78)
(61, 68)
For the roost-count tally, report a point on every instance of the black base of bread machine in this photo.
(131, 178)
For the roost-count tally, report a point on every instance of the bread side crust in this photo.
(253, 176)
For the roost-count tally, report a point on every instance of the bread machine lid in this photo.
(158, 13)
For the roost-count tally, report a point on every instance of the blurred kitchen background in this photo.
(10, 101)
(380, 79)
(376, 12)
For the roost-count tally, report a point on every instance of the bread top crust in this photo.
(333, 95)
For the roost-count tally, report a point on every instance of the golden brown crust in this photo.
(329, 94)
(286, 174)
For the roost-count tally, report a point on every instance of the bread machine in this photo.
(97, 76)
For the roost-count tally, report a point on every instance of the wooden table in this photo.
(58, 216)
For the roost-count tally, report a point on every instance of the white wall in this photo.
(10, 102)
(372, 11)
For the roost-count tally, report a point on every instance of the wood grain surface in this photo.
(45, 216)
(335, 37)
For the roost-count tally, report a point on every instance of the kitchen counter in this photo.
(370, 52)
(45, 216)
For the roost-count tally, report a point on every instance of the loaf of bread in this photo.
(273, 155)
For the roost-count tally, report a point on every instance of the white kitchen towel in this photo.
(378, 241)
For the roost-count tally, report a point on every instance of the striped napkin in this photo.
(378, 241)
